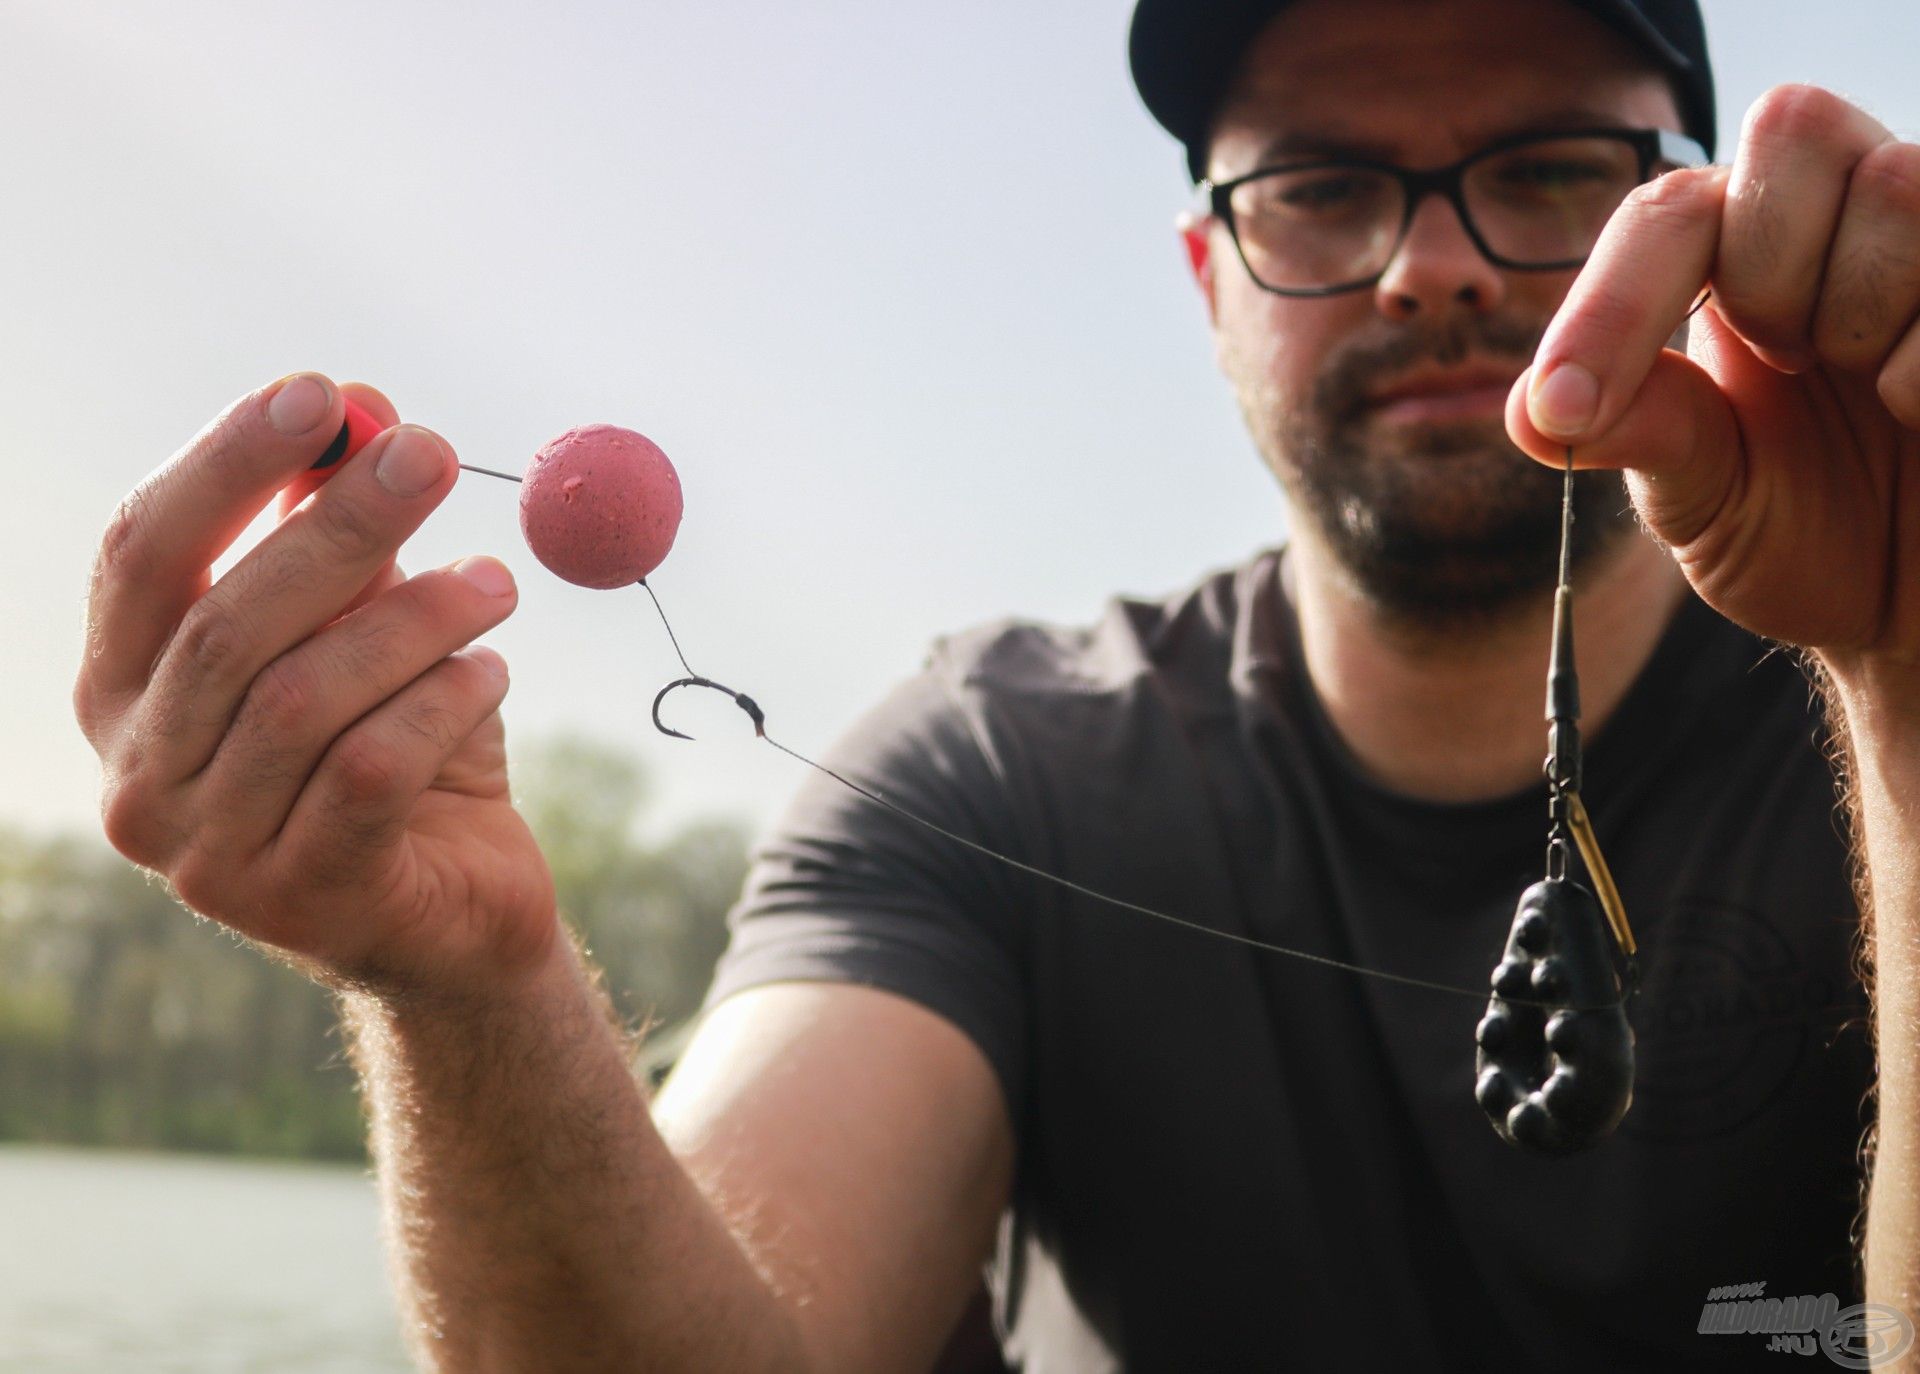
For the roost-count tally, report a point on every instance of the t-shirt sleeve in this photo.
(842, 889)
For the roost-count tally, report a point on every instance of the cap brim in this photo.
(1184, 52)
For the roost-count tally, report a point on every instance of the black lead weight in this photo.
(1555, 1079)
(1554, 1066)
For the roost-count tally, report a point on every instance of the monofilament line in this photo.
(1566, 521)
(668, 626)
(1324, 961)
(1251, 942)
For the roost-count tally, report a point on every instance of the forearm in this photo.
(1878, 710)
(535, 1216)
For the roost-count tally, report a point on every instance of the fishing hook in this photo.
(740, 699)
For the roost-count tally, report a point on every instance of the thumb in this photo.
(1676, 437)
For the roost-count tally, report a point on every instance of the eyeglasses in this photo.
(1532, 203)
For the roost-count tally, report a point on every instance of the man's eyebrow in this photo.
(1301, 143)
(1295, 144)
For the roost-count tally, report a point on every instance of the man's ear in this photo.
(1197, 238)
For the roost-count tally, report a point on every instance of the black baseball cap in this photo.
(1183, 53)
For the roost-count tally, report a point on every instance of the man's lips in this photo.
(1432, 397)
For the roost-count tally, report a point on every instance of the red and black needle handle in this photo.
(358, 430)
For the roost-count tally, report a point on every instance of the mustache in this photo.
(1340, 393)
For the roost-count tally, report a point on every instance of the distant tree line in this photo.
(126, 1020)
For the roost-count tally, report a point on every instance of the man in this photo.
(1182, 1153)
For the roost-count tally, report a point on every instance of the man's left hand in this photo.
(1779, 458)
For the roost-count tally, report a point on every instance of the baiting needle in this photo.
(359, 427)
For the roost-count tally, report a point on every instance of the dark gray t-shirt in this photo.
(1231, 1159)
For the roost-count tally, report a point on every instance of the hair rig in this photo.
(600, 506)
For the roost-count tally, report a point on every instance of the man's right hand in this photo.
(306, 752)
(305, 749)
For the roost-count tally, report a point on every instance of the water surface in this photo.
(112, 1263)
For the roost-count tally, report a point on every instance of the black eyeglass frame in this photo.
(1653, 146)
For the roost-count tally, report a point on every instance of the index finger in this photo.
(1650, 264)
(386, 415)
(154, 559)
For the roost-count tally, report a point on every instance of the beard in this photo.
(1437, 526)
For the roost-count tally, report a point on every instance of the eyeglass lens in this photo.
(1536, 204)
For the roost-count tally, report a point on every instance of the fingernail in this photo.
(488, 659)
(411, 462)
(490, 575)
(301, 403)
(1564, 401)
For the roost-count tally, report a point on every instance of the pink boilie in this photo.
(600, 505)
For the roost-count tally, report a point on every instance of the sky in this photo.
(894, 285)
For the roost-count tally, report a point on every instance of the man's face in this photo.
(1380, 409)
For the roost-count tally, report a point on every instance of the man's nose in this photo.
(1438, 269)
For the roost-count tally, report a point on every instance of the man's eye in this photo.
(1323, 194)
(1551, 174)
(1321, 191)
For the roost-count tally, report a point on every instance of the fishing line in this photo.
(758, 717)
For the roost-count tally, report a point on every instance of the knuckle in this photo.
(127, 816)
(276, 570)
(1795, 111)
(210, 643)
(126, 545)
(1676, 204)
(365, 771)
(372, 652)
(199, 879)
(1889, 176)
(138, 815)
(282, 699)
(87, 708)
(347, 528)
(436, 722)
